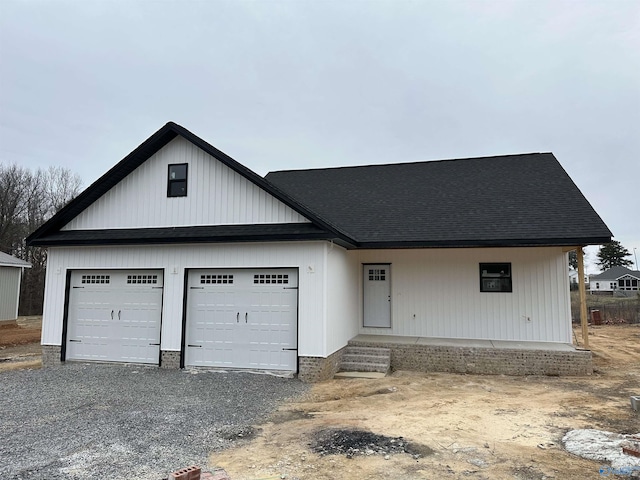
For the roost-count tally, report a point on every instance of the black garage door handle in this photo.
(198, 346)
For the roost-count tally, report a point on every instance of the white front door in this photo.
(377, 295)
(114, 316)
(242, 318)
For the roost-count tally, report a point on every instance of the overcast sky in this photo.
(301, 84)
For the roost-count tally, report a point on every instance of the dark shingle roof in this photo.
(507, 200)
(615, 273)
(493, 201)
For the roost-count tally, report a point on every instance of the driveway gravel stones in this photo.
(86, 421)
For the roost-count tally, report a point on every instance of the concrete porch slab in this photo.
(477, 356)
(549, 346)
(359, 375)
(462, 343)
(454, 342)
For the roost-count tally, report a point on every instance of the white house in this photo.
(616, 279)
(11, 269)
(180, 256)
(574, 278)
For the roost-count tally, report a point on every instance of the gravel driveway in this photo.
(93, 421)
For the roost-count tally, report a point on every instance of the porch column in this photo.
(583, 298)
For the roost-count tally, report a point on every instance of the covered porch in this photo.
(480, 356)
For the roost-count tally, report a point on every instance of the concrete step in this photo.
(364, 367)
(367, 350)
(365, 359)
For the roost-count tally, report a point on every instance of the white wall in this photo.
(343, 297)
(309, 257)
(436, 293)
(216, 195)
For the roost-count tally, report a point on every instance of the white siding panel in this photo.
(217, 195)
(9, 288)
(342, 297)
(436, 293)
(308, 257)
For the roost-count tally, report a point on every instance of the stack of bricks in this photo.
(195, 473)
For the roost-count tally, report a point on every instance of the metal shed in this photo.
(10, 276)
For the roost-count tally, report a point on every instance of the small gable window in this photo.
(495, 277)
(177, 183)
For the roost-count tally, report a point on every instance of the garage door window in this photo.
(216, 279)
(271, 278)
(143, 279)
(95, 279)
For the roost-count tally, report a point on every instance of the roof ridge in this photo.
(415, 162)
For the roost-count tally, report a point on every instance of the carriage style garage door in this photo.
(242, 318)
(114, 316)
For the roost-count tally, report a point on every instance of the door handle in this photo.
(245, 317)
(238, 317)
(119, 312)
(111, 314)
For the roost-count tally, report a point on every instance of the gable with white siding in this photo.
(217, 195)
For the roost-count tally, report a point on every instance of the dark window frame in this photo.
(173, 182)
(496, 277)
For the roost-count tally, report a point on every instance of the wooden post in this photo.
(583, 298)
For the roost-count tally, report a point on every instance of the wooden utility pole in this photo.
(583, 298)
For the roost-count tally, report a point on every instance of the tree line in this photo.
(27, 200)
(612, 254)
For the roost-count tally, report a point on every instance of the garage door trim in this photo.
(185, 307)
(67, 301)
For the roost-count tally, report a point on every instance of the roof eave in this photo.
(541, 242)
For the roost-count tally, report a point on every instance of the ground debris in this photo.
(359, 442)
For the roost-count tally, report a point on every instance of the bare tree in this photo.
(27, 200)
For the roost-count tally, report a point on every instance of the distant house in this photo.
(616, 279)
(574, 277)
(10, 275)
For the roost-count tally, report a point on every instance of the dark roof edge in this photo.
(540, 242)
(142, 153)
(86, 242)
(411, 162)
(586, 201)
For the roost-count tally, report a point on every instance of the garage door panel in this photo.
(115, 316)
(260, 318)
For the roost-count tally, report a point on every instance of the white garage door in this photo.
(242, 318)
(114, 316)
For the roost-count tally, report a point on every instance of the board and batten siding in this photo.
(342, 281)
(216, 195)
(9, 291)
(436, 293)
(308, 257)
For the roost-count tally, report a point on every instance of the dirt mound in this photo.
(13, 334)
(359, 442)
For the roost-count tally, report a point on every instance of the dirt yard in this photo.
(20, 344)
(454, 426)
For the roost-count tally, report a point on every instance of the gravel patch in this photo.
(87, 421)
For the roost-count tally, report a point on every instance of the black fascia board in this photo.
(181, 235)
(142, 153)
(533, 242)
